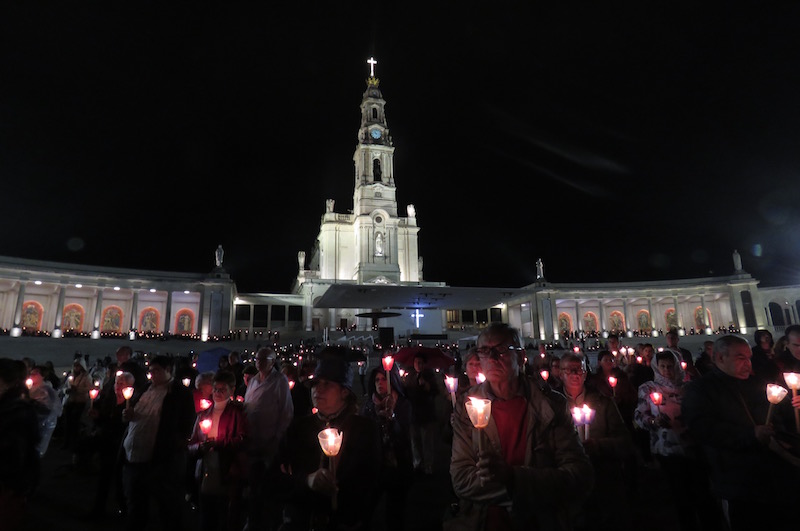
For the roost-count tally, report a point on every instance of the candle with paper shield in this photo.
(479, 411)
(330, 440)
(205, 427)
(127, 393)
(612, 381)
(545, 374)
(92, 395)
(186, 382)
(583, 417)
(388, 363)
(451, 382)
(657, 398)
(480, 378)
(29, 383)
(793, 381)
(775, 393)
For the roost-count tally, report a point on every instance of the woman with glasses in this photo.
(217, 441)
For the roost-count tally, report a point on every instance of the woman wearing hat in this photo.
(310, 484)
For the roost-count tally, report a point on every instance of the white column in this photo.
(602, 315)
(650, 311)
(168, 313)
(62, 293)
(20, 301)
(705, 314)
(134, 320)
(98, 312)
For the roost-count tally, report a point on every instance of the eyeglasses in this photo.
(499, 351)
(574, 371)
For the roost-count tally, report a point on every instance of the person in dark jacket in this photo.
(159, 424)
(725, 411)
(527, 468)
(392, 413)
(316, 496)
(19, 437)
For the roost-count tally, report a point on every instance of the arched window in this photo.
(376, 170)
(374, 113)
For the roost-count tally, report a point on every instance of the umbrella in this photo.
(208, 360)
(435, 358)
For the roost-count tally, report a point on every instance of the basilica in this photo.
(364, 276)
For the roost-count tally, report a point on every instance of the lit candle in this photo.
(388, 363)
(545, 374)
(576, 349)
(186, 382)
(793, 381)
(639, 359)
(479, 411)
(451, 382)
(588, 417)
(330, 440)
(775, 393)
(612, 381)
(28, 383)
(205, 427)
(127, 393)
(577, 417)
(657, 398)
(480, 378)
(93, 394)
(291, 384)
(205, 403)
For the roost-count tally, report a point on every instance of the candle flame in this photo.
(612, 381)
(291, 384)
(205, 426)
(186, 382)
(93, 393)
(479, 411)
(480, 378)
(330, 440)
(452, 383)
(127, 393)
(28, 383)
(545, 374)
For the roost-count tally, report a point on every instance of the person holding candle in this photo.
(269, 408)
(533, 468)
(221, 450)
(422, 386)
(126, 363)
(159, 424)
(392, 414)
(48, 406)
(309, 485)
(108, 430)
(20, 462)
(725, 412)
(659, 413)
(609, 447)
(75, 402)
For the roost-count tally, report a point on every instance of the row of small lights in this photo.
(116, 288)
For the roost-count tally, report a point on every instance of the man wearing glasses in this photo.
(530, 465)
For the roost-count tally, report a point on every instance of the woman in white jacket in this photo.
(658, 411)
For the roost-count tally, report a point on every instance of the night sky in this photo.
(642, 141)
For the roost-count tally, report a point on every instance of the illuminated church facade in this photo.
(364, 273)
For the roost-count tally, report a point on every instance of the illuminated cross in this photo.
(372, 62)
(416, 315)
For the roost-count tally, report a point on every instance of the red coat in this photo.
(231, 434)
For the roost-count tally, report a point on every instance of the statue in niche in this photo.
(379, 244)
(737, 261)
(376, 170)
(218, 255)
(329, 205)
(412, 212)
(419, 266)
(539, 269)
(301, 260)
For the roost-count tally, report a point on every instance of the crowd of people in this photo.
(290, 443)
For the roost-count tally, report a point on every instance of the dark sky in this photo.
(637, 141)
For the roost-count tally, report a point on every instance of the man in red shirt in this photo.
(527, 467)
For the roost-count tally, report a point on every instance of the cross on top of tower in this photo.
(372, 62)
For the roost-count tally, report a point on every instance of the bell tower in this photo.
(374, 155)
